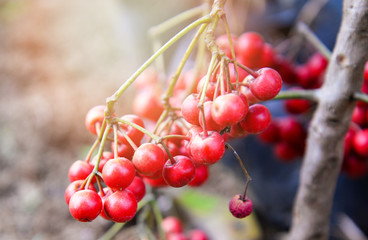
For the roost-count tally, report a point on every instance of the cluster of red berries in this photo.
(179, 149)
(173, 229)
(356, 140)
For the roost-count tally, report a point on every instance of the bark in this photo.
(324, 153)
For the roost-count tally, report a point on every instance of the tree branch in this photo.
(324, 153)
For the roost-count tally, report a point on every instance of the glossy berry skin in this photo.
(291, 130)
(223, 43)
(297, 106)
(360, 142)
(85, 205)
(118, 173)
(95, 116)
(239, 207)
(147, 104)
(366, 72)
(149, 159)
(211, 124)
(207, 150)
(228, 109)
(271, 134)
(355, 166)
(132, 132)
(124, 150)
(107, 192)
(250, 49)
(190, 110)
(121, 206)
(257, 119)
(79, 170)
(197, 234)
(171, 224)
(106, 156)
(201, 176)
(210, 88)
(155, 182)
(316, 65)
(180, 173)
(74, 187)
(267, 85)
(138, 188)
(286, 152)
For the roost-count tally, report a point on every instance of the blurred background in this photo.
(60, 58)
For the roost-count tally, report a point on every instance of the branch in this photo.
(324, 153)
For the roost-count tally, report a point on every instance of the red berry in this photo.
(359, 115)
(224, 44)
(297, 106)
(121, 206)
(271, 134)
(239, 207)
(138, 188)
(360, 142)
(257, 119)
(155, 182)
(147, 104)
(207, 149)
(366, 71)
(132, 132)
(149, 159)
(355, 166)
(268, 56)
(118, 173)
(95, 116)
(210, 88)
(190, 110)
(171, 224)
(85, 205)
(180, 173)
(291, 130)
(124, 150)
(197, 234)
(74, 187)
(79, 170)
(107, 192)
(228, 109)
(201, 176)
(267, 85)
(316, 65)
(250, 49)
(211, 125)
(106, 156)
(286, 152)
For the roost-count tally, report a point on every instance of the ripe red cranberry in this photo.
(257, 119)
(355, 166)
(149, 159)
(228, 109)
(268, 56)
(85, 205)
(223, 43)
(236, 131)
(197, 234)
(250, 49)
(210, 88)
(171, 224)
(124, 150)
(106, 156)
(138, 188)
(207, 149)
(267, 85)
(211, 124)
(118, 173)
(79, 170)
(286, 152)
(190, 110)
(271, 134)
(95, 116)
(297, 106)
(132, 132)
(74, 187)
(316, 65)
(107, 192)
(291, 130)
(286, 70)
(359, 115)
(180, 173)
(121, 206)
(155, 182)
(240, 207)
(366, 71)
(360, 142)
(147, 104)
(201, 176)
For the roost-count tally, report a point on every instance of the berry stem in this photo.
(99, 154)
(247, 69)
(158, 216)
(187, 53)
(136, 126)
(360, 96)
(243, 168)
(110, 101)
(91, 150)
(313, 39)
(312, 95)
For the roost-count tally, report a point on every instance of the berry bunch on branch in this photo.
(177, 131)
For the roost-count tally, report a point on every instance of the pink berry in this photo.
(240, 207)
